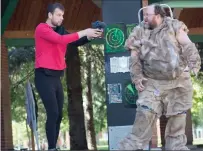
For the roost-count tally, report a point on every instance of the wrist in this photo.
(82, 33)
(89, 38)
(137, 79)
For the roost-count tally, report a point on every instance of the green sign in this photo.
(130, 28)
(115, 38)
(130, 94)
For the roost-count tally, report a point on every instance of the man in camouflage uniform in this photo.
(162, 57)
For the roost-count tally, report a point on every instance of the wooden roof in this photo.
(192, 17)
(193, 20)
(29, 13)
(79, 14)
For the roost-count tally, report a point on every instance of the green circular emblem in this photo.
(115, 38)
(131, 94)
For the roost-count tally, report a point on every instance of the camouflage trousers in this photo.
(171, 98)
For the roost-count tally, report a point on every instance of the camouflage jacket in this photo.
(159, 55)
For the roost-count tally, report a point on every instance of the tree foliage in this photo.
(197, 109)
(21, 69)
(19, 56)
(96, 55)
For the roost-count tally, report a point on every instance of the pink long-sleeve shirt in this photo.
(50, 47)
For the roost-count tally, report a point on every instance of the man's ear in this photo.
(49, 15)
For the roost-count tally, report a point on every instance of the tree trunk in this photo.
(75, 102)
(91, 137)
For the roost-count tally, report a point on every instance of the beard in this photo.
(56, 23)
(146, 26)
(153, 23)
(150, 24)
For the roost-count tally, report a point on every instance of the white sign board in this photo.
(119, 64)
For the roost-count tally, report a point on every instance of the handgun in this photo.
(98, 25)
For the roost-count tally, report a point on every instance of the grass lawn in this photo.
(103, 147)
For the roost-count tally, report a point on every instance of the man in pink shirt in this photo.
(50, 63)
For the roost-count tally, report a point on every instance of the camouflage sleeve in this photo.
(189, 51)
(135, 67)
(133, 42)
(177, 25)
(191, 54)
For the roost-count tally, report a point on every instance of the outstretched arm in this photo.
(49, 34)
(80, 42)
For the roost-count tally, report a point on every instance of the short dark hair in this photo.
(159, 10)
(51, 7)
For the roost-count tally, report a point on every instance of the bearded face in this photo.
(56, 17)
(150, 18)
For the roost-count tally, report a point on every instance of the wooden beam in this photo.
(31, 42)
(196, 31)
(177, 12)
(18, 34)
(7, 14)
